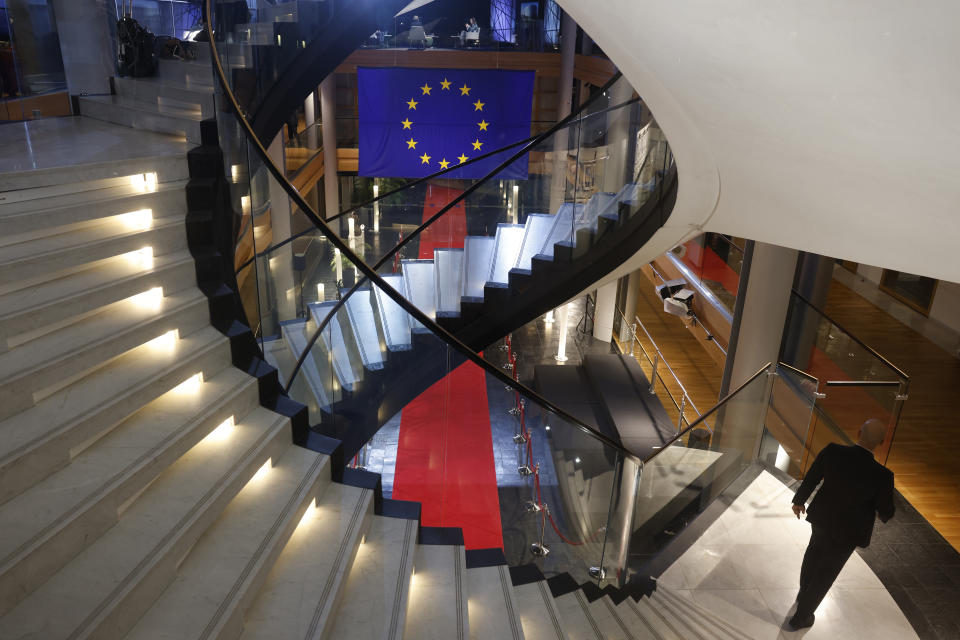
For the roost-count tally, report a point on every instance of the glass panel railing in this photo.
(858, 383)
(786, 437)
(714, 261)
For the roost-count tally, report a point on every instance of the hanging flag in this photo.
(414, 122)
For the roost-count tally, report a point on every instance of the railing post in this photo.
(633, 336)
(683, 403)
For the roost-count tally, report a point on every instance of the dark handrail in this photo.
(710, 412)
(860, 342)
(372, 275)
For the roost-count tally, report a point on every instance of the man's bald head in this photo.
(872, 433)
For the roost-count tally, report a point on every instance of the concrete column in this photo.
(328, 116)
(87, 46)
(605, 312)
(615, 172)
(568, 43)
(758, 324)
(310, 117)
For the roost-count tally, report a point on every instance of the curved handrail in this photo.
(370, 274)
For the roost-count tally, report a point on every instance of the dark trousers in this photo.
(822, 562)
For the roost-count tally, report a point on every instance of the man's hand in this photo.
(798, 510)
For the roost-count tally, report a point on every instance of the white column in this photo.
(615, 172)
(568, 41)
(605, 311)
(328, 116)
(280, 263)
(564, 315)
(310, 118)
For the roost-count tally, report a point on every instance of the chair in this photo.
(418, 37)
(473, 38)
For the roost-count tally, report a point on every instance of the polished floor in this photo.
(745, 568)
(60, 142)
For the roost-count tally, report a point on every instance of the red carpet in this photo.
(448, 231)
(445, 451)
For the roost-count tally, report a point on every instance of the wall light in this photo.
(137, 220)
(167, 341)
(262, 471)
(191, 385)
(151, 299)
(223, 431)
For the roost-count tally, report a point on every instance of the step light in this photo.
(223, 431)
(144, 182)
(151, 299)
(165, 342)
(190, 386)
(310, 512)
(262, 471)
(245, 205)
(141, 257)
(138, 220)
(321, 296)
(235, 174)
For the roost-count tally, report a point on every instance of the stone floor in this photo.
(76, 140)
(745, 567)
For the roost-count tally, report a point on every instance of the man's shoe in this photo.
(795, 623)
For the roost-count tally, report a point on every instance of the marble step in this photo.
(306, 583)
(448, 264)
(167, 92)
(344, 353)
(49, 360)
(197, 74)
(600, 203)
(493, 612)
(393, 319)
(694, 617)
(20, 186)
(47, 525)
(477, 257)
(508, 240)
(144, 115)
(374, 602)
(562, 229)
(685, 624)
(610, 622)
(536, 229)
(363, 322)
(52, 302)
(538, 612)
(632, 194)
(631, 617)
(420, 288)
(220, 578)
(577, 617)
(57, 253)
(43, 214)
(44, 438)
(661, 627)
(437, 607)
(106, 588)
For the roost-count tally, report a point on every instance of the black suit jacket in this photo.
(855, 487)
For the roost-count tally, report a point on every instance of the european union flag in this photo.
(414, 122)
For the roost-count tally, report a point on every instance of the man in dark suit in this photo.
(855, 487)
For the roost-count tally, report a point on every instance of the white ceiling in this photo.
(831, 127)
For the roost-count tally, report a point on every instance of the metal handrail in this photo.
(655, 373)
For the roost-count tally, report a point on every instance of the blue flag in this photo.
(414, 122)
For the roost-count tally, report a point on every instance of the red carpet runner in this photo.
(445, 451)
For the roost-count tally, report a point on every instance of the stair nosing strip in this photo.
(586, 612)
(358, 509)
(706, 616)
(508, 601)
(295, 498)
(458, 581)
(398, 598)
(175, 364)
(636, 610)
(108, 486)
(616, 616)
(151, 556)
(547, 602)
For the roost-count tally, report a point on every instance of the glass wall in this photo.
(31, 67)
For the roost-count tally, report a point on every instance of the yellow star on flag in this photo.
(412, 104)
(426, 89)
(464, 90)
(444, 164)
(411, 144)
(483, 124)
(477, 144)
(462, 158)
(478, 106)
(424, 159)
(406, 123)
(445, 85)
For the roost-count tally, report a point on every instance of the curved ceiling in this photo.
(822, 126)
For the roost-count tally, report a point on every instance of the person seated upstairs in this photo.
(470, 27)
